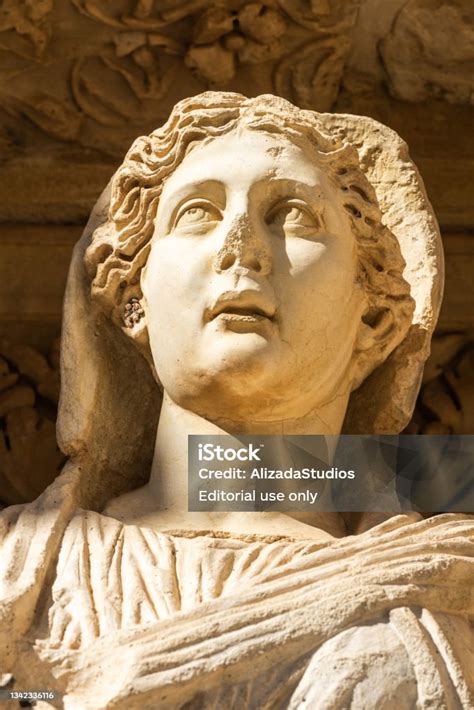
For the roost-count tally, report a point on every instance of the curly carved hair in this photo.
(120, 247)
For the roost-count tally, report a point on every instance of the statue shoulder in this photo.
(30, 537)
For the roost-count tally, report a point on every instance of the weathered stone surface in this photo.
(37, 256)
(29, 391)
(457, 312)
(440, 140)
(61, 190)
(446, 402)
(429, 51)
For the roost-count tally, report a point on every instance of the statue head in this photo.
(243, 251)
(245, 255)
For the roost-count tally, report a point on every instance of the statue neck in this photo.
(169, 473)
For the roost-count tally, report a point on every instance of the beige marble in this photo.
(252, 267)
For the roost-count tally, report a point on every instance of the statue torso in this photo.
(171, 611)
(113, 576)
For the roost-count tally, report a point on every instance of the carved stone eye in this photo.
(291, 216)
(197, 215)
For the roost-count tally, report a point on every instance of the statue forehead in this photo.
(242, 157)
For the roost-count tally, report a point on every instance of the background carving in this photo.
(96, 73)
(429, 51)
(80, 79)
(29, 392)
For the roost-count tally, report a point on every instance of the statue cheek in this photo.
(182, 263)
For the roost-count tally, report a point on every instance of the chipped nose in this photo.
(242, 247)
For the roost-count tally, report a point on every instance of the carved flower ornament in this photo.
(223, 38)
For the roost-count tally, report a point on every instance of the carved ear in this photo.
(130, 315)
(133, 313)
(378, 335)
(376, 328)
(133, 319)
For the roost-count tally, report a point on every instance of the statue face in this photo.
(250, 289)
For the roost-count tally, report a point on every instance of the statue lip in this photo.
(248, 304)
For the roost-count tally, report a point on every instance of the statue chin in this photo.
(223, 375)
(266, 275)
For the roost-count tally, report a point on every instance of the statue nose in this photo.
(243, 246)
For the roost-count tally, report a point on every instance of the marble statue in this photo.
(251, 268)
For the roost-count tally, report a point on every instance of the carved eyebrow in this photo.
(211, 189)
(287, 187)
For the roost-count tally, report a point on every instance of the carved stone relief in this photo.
(429, 51)
(31, 21)
(98, 74)
(446, 401)
(29, 391)
(80, 79)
